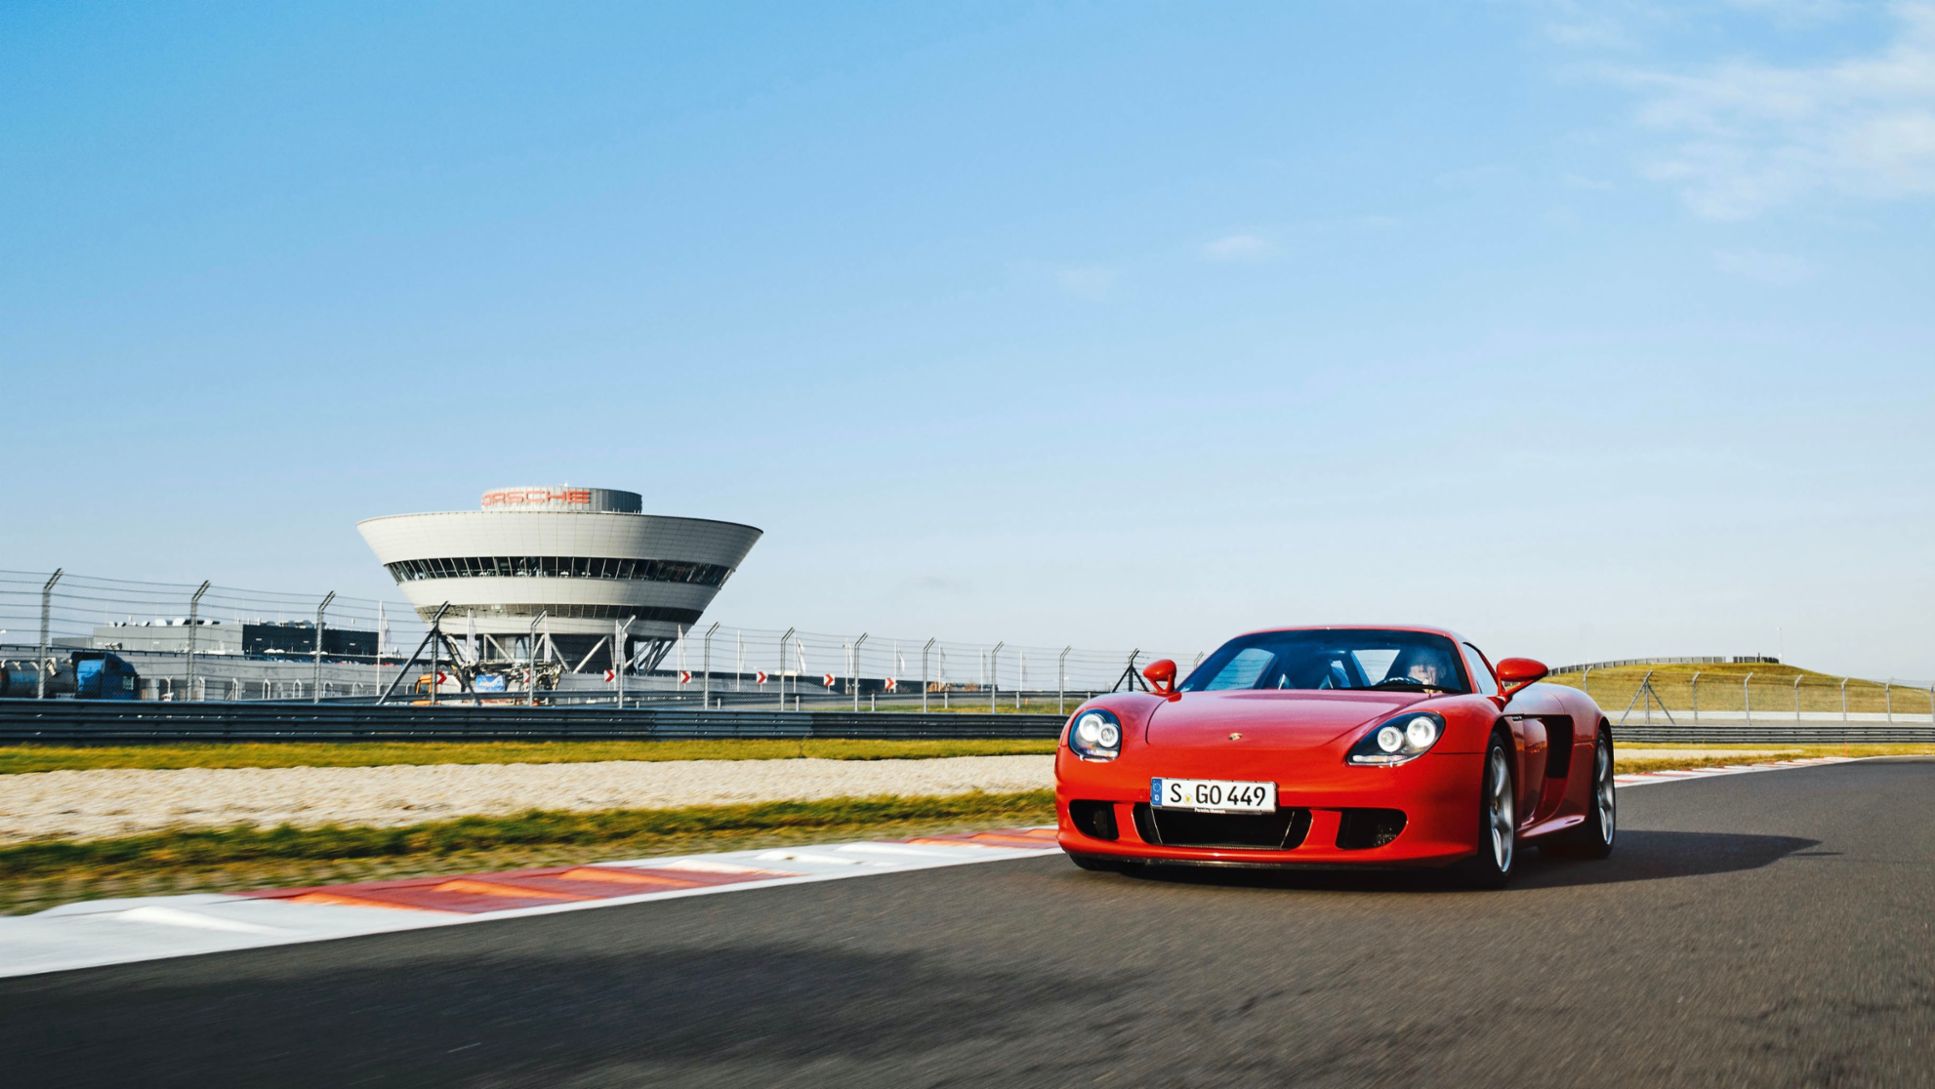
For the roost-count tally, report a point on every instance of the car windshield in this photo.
(1334, 658)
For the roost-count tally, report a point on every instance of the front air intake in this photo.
(1362, 829)
(1279, 831)
(1096, 819)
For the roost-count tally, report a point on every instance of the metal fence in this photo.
(186, 640)
(44, 614)
(1761, 694)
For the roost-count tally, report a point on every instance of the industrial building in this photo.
(253, 639)
(554, 571)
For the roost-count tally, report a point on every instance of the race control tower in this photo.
(584, 558)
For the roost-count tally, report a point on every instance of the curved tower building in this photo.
(584, 558)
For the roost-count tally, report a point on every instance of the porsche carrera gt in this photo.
(1338, 746)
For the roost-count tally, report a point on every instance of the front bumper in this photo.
(1326, 801)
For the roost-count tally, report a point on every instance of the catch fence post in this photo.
(1747, 696)
(194, 632)
(780, 674)
(530, 643)
(1797, 698)
(1844, 701)
(327, 598)
(994, 675)
(1693, 694)
(1888, 696)
(926, 678)
(705, 685)
(46, 617)
(619, 657)
(853, 670)
(1061, 681)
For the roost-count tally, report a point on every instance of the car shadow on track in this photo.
(1639, 856)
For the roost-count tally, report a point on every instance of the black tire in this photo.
(1098, 865)
(1497, 816)
(1594, 839)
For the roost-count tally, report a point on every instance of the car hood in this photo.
(1270, 719)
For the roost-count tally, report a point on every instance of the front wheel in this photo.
(1491, 867)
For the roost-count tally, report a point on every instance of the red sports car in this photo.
(1343, 746)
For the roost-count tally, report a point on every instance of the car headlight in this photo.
(1396, 740)
(1095, 735)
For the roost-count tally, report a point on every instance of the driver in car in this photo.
(1429, 667)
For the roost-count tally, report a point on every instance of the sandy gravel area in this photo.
(1640, 752)
(89, 804)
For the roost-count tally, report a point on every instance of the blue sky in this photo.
(1594, 331)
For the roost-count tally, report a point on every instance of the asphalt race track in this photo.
(1755, 930)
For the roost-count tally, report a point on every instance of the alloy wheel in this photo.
(1603, 788)
(1500, 810)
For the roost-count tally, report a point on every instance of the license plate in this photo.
(1213, 795)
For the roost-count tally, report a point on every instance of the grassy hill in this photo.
(1773, 689)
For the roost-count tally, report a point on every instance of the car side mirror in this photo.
(1515, 673)
(1161, 675)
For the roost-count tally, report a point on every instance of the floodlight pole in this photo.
(194, 632)
(316, 697)
(46, 616)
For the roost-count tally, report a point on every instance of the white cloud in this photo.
(1744, 137)
(1239, 247)
(1768, 268)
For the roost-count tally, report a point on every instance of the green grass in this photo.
(16, 759)
(627, 830)
(38, 875)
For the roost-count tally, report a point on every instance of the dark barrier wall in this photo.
(123, 723)
(130, 722)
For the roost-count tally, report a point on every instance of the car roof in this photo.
(1422, 629)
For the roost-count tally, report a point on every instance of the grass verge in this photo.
(39, 873)
(19, 759)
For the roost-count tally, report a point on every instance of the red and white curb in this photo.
(103, 932)
(1647, 778)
